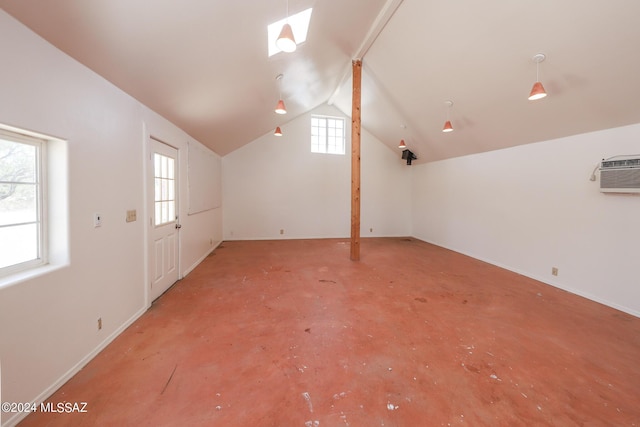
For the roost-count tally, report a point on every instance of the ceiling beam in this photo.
(379, 23)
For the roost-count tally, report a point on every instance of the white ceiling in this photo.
(204, 65)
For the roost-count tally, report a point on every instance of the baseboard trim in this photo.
(13, 421)
(541, 280)
(199, 260)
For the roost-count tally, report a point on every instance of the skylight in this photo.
(299, 24)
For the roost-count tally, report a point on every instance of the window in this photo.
(165, 189)
(22, 236)
(327, 135)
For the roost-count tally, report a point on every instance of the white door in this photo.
(164, 225)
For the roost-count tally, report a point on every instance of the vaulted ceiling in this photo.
(204, 65)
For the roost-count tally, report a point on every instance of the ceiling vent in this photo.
(620, 176)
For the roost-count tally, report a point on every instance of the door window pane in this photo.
(165, 189)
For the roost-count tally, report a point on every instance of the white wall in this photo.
(276, 183)
(533, 207)
(48, 323)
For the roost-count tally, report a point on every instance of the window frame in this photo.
(40, 182)
(326, 137)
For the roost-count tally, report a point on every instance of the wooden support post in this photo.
(355, 160)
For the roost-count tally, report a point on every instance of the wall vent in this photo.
(620, 176)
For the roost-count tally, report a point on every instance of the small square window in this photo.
(327, 135)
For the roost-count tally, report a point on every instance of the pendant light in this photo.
(280, 108)
(278, 131)
(537, 91)
(402, 145)
(285, 41)
(447, 124)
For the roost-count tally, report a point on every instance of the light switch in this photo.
(131, 215)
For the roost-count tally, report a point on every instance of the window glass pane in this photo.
(159, 220)
(17, 162)
(170, 168)
(18, 203)
(171, 195)
(331, 146)
(156, 164)
(157, 213)
(171, 212)
(165, 191)
(165, 212)
(158, 190)
(19, 244)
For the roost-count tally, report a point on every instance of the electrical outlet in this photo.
(554, 271)
(371, 230)
(99, 323)
(97, 220)
(282, 231)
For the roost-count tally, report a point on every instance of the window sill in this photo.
(32, 273)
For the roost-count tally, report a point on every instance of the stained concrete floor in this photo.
(293, 333)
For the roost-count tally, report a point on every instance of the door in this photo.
(164, 225)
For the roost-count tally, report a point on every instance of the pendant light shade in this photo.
(280, 108)
(448, 127)
(278, 132)
(402, 144)
(285, 41)
(537, 91)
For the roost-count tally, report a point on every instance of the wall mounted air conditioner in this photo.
(620, 175)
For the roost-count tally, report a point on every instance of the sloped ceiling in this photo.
(204, 65)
